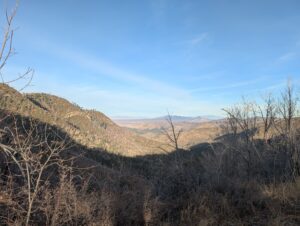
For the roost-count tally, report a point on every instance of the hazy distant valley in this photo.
(195, 129)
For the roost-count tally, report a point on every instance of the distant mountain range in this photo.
(178, 118)
(175, 118)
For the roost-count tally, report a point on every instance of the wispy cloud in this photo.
(101, 67)
(198, 39)
(191, 45)
(204, 76)
(268, 89)
(152, 97)
(107, 69)
(290, 55)
(228, 86)
(287, 56)
(113, 101)
(193, 41)
(276, 87)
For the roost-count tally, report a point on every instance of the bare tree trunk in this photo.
(171, 133)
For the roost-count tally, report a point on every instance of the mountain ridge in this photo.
(88, 127)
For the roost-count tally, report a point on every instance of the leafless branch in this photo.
(7, 50)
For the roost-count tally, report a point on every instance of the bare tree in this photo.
(268, 115)
(287, 108)
(33, 152)
(276, 121)
(243, 122)
(286, 126)
(171, 133)
(20, 155)
(7, 50)
(243, 118)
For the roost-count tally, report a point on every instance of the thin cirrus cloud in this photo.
(229, 86)
(113, 100)
(287, 56)
(121, 102)
(171, 97)
(198, 39)
(194, 41)
(291, 55)
(205, 76)
(103, 68)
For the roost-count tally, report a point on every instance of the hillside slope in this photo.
(88, 127)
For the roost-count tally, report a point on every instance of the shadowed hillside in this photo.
(88, 127)
(89, 186)
(63, 165)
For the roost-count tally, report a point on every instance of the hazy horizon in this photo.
(139, 59)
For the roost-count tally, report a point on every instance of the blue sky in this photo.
(140, 58)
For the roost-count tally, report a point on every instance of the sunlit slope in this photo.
(89, 127)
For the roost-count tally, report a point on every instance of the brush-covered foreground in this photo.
(49, 178)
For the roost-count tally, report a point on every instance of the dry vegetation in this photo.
(248, 176)
(238, 180)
